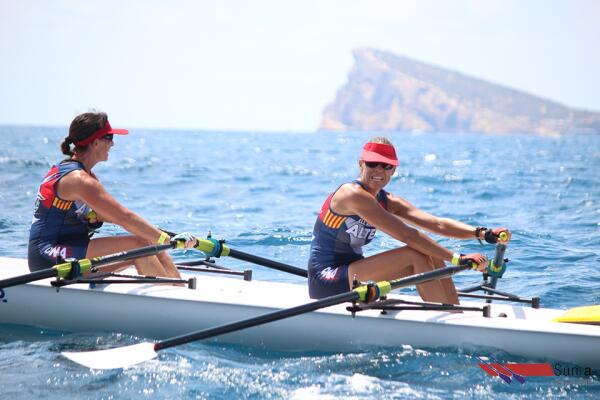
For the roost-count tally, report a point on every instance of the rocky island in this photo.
(387, 92)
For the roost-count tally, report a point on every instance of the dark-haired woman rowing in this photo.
(72, 203)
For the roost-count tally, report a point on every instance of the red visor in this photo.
(106, 130)
(379, 152)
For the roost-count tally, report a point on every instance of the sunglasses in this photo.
(108, 137)
(385, 166)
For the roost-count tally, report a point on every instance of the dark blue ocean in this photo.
(261, 192)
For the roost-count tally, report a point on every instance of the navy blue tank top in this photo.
(60, 227)
(338, 239)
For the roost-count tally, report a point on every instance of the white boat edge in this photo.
(161, 311)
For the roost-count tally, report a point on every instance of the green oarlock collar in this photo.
(85, 265)
(208, 247)
(64, 269)
(384, 288)
(225, 251)
(205, 246)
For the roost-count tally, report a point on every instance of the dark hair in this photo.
(83, 126)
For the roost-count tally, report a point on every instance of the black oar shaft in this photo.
(265, 262)
(34, 276)
(131, 254)
(240, 255)
(428, 276)
(94, 262)
(255, 321)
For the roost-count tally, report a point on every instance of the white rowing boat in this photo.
(161, 311)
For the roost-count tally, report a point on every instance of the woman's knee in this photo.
(419, 258)
(138, 241)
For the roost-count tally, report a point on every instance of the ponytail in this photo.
(65, 146)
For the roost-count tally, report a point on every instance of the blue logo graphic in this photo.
(2, 295)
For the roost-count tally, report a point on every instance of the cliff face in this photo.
(386, 92)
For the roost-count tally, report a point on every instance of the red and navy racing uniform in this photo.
(60, 228)
(337, 242)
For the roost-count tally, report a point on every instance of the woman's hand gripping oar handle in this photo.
(497, 267)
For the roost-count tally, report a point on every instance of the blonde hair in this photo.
(380, 139)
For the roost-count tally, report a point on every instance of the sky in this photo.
(272, 65)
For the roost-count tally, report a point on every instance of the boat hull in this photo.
(161, 311)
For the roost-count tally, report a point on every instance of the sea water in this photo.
(262, 192)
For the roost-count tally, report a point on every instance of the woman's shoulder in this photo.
(79, 178)
(75, 182)
(351, 189)
(70, 164)
(349, 195)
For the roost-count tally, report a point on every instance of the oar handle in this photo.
(497, 266)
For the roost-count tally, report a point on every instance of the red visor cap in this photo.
(379, 152)
(106, 130)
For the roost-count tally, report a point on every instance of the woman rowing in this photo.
(72, 204)
(350, 217)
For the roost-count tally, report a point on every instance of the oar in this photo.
(123, 357)
(85, 265)
(240, 255)
(208, 247)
